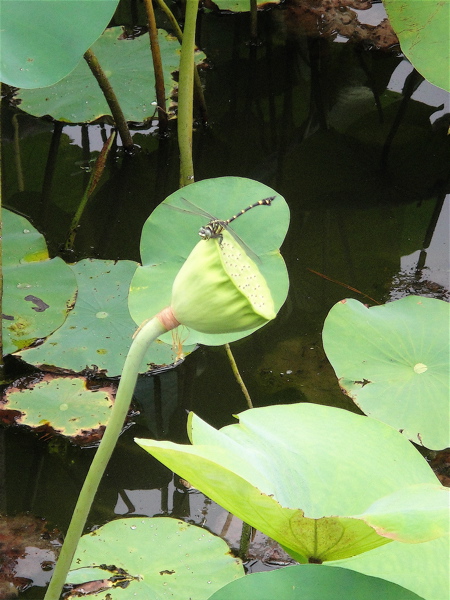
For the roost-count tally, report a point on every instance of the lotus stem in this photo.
(244, 542)
(149, 332)
(253, 21)
(157, 66)
(96, 174)
(1, 257)
(239, 379)
(110, 97)
(185, 95)
(198, 90)
(17, 155)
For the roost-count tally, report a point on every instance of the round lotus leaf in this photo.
(172, 231)
(423, 568)
(33, 306)
(152, 558)
(129, 67)
(393, 361)
(314, 478)
(312, 582)
(34, 43)
(422, 28)
(63, 405)
(241, 5)
(98, 331)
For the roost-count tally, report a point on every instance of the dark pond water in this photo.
(364, 169)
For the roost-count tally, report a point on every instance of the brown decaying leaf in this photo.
(13, 417)
(329, 18)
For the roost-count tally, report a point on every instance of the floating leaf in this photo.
(129, 68)
(33, 306)
(153, 558)
(393, 361)
(422, 28)
(169, 235)
(421, 568)
(240, 5)
(312, 582)
(98, 331)
(63, 405)
(276, 468)
(34, 43)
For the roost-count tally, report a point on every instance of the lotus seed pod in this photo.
(219, 289)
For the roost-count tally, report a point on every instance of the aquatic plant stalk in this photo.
(1, 254)
(198, 90)
(145, 335)
(157, 66)
(185, 94)
(96, 174)
(253, 20)
(110, 97)
(17, 156)
(238, 376)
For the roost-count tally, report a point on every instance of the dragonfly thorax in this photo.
(212, 230)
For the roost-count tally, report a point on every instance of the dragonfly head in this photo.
(205, 232)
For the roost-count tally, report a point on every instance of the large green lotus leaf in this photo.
(304, 475)
(64, 405)
(312, 582)
(393, 361)
(98, 331)
(42, 41)
(422, 27)
(413, 514)
(168, 236)
(421, 568)
(33, 306)
(153, 558)
(129, 67)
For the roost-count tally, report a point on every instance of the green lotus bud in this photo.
(219, 289)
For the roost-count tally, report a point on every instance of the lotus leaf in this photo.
(311, 477)
(169, 235)
(64, 405)
(312, 582)
(42, 41)
(393, 361)
(241, 5)
(129, 68)
(421, 568)
(422, 29)
(98, 331)
(153, 558)
(33, 307)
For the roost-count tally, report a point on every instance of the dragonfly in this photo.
(214, 228)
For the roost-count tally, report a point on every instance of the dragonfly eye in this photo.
(204, 233)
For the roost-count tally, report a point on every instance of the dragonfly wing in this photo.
(191, 209)
(255, 258)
